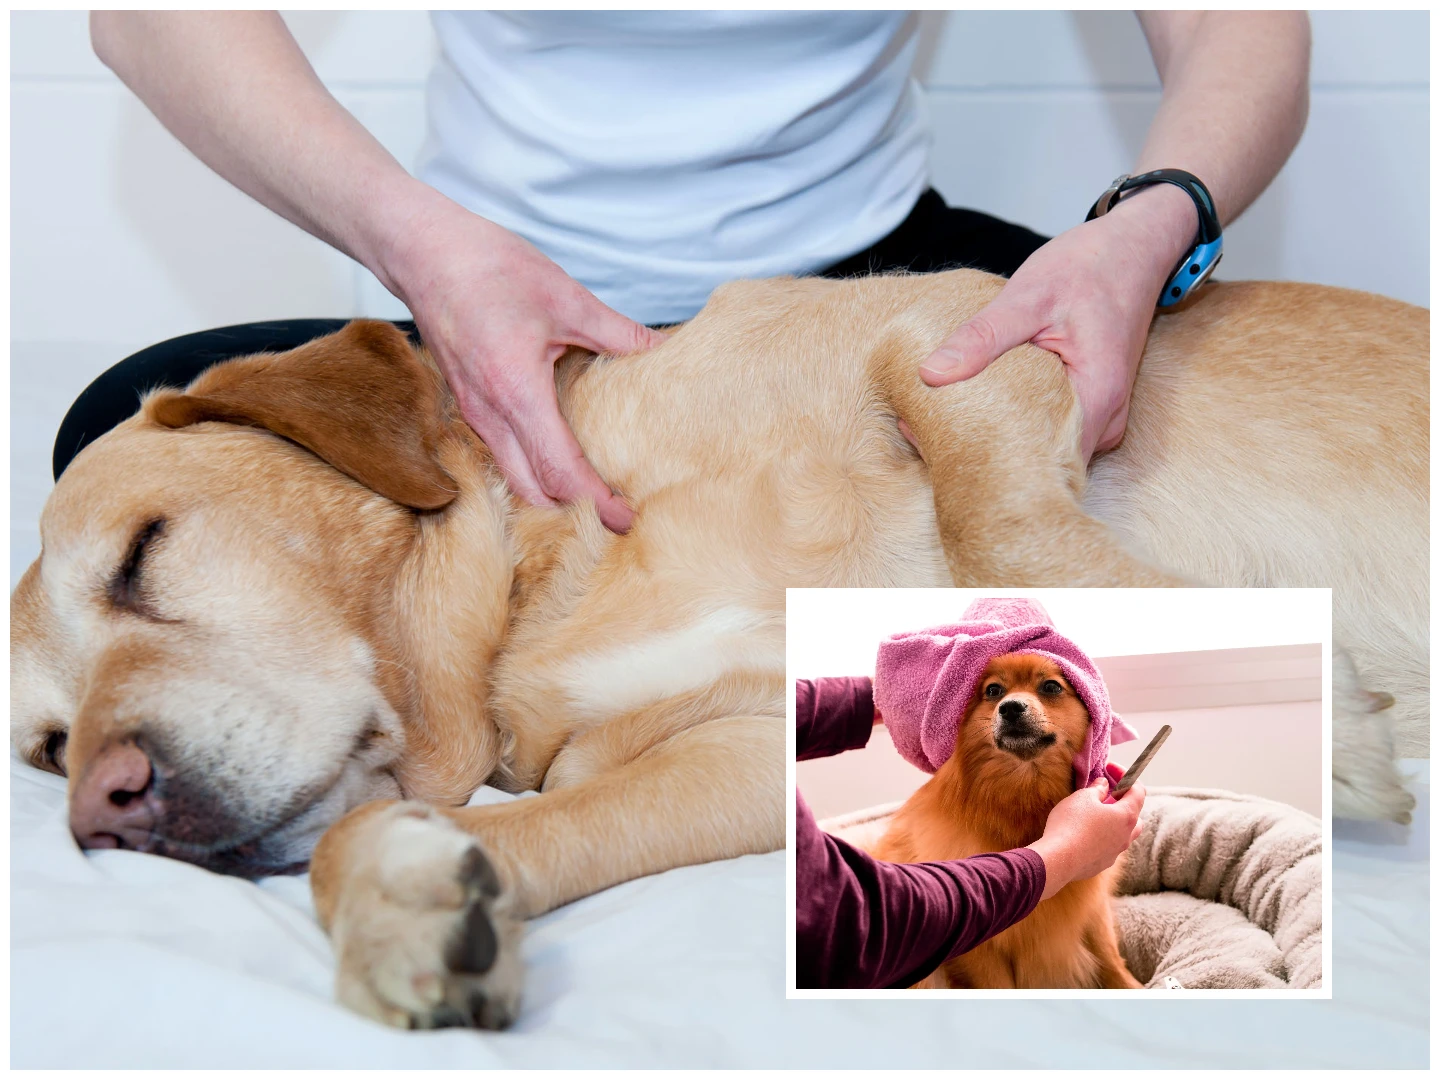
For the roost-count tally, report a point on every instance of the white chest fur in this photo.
(687, 656)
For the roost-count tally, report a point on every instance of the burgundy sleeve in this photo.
(832, 715)
(863, 923)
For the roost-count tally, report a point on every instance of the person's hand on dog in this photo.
(237, 90)
(1086, 832)
(1087, 296)
(497, 315)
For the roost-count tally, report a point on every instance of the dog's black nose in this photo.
(1012, 711)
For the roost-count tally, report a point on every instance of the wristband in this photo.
(1192, 271)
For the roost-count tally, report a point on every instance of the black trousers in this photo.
(933, 237)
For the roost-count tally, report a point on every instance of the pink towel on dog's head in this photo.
(924, 681)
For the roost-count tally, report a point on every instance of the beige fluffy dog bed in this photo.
(1220, 891)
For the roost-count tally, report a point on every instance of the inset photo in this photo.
(1059, 793)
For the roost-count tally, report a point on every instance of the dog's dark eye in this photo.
(994, 690)
(52, 754)
(124, 588)
(1050, 686)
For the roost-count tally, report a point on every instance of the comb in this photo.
(1133, 773)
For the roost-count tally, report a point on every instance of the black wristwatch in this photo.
(1191, 271)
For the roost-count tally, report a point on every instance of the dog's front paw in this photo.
(421, 932)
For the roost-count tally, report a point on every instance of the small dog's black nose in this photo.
(1012, 711)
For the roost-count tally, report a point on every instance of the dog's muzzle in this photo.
(1018, 730)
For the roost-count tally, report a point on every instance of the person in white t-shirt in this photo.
(587, 173)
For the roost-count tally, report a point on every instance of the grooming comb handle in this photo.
(1133, 773)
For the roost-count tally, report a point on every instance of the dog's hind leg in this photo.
(1002, 450)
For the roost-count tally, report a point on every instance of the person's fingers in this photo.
(1135, 833)
(1133, 799)
(909, 435)
(1113, 432)
(997, 328)
(515, 467)
(1095, 409)
(558, 462)
(1102, 386)
(602, 329)
(505, 448)
(1101, 786)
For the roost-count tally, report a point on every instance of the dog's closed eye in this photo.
(51, 756)
(124, 589)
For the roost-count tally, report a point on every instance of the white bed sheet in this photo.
(119, 959)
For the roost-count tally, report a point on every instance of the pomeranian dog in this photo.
(1011, 765)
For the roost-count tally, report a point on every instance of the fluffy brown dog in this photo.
(1011, 765)
(296, 602)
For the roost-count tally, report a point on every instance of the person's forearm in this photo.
(1058, 862)
(234, 87)
(861, 922)
(832, 716)
(1235, 100)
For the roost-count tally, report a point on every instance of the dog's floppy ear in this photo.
(360, 399)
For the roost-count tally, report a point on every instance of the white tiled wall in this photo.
(119, 238)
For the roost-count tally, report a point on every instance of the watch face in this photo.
(1191, 275)
(1204, 274)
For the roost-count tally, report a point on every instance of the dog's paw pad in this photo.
(424, 938)
(477, 873)
(473, 948)
(447, 1016)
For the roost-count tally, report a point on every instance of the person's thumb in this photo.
(995, 329)
(1101, 786)
(602, 329)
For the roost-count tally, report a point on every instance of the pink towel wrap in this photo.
(924, 681)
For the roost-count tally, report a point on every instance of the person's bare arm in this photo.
(1233, 107)
(234, 87)
(1235, 100)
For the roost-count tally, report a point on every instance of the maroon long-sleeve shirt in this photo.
(864, 923)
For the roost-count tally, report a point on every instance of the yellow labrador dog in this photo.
(293, 615)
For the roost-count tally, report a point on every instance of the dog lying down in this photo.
(292, 614)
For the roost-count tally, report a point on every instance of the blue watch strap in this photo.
(1195, 268)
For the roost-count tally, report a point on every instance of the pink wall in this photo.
(1240, 738)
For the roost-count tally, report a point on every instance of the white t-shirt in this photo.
(655, 155)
